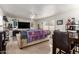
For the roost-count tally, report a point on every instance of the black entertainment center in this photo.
(23, 25)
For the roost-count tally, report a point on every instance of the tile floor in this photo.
(41, 48)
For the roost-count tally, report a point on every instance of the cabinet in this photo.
(2, 43)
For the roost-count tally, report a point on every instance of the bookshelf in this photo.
(73, 33)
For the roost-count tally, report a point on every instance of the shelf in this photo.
(74, 31)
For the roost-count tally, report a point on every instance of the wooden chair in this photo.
(61, 40)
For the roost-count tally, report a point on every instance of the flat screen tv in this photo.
(24, 25)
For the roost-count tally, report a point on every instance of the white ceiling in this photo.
(34, 10)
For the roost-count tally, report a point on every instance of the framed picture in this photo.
(59, 22)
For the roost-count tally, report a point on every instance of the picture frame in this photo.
(59, 22)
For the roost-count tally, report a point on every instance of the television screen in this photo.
(23, 25)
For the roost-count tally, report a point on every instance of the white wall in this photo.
(1, 20)
(53, 20)
(47, 24)
(33, 23)
(71, 13)
(62, 16)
